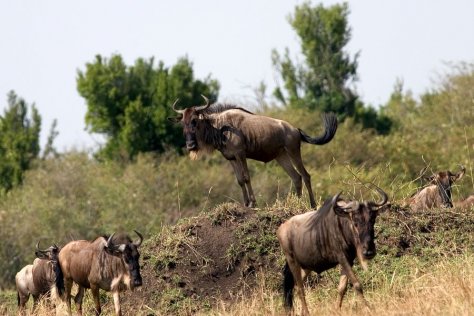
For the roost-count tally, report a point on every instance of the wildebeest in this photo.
(437, 193)
(110, 264)
(338, 233)
(40, 278)
(239, 134)
(467, 203)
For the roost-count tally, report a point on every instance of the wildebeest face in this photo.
(128, 252)
(190, 118)
(444, 181)
(362, 217)
(190, 128)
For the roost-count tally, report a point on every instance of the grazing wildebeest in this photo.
(437, 193)
(239, 134)
(40, 278)
(319, 240)
(110, 264)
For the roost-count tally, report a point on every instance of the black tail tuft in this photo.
(59, 279)
(330, 127)
(18, 297)
(288, 286)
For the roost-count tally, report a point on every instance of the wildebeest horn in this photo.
(37, 248)
(203, 107)
(109, 241)
(174, 107)
(139, 242)
(335, 198)
(383, 194)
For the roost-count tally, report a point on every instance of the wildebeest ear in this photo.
(342, 208)
(383, 208)
(175, 119)
(458, 175)
(41, 255)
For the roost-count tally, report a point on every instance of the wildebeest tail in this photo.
(330, 127)
(18, 297)
(288, 286)
(59, 282)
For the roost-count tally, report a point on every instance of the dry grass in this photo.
(448, 289)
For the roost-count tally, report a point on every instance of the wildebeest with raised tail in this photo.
(39, 279)
(239, 134)
(338, 233)
(437, 193)
(111, 264)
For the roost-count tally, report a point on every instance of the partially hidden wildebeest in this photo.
(467, 203)
(437, 193)
(338, 233)
(239, 134)
(111, 264)
(40, 278)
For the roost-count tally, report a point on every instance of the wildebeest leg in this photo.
(243, 178)
(118, 311)
(347, 270)
(67, 294)
(296, 159)
(22, 299)
(95, 295)
(297, 272)
(342, 289)
(78, 299)
(285, 162)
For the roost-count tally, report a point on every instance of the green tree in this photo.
(19, 140)
(322, 81)
(129, 105)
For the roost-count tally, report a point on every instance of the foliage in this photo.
(322, 81)
(129, 105)
(19, 141)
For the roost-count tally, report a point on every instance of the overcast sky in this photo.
(45, 42)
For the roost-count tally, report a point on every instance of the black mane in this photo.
(219, 108)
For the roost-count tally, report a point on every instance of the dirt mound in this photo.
(209, 258)
(216, 256)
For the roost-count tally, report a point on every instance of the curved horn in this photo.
(109, 241)
(37, 248)
(203, 107)
(175, 109)
(335, 198)
(383, 194)
(140, 240)
(461, 173)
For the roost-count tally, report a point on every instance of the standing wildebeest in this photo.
(437, 193)
(109, 264)
(40, 278)
(239, 134)
(319, 240)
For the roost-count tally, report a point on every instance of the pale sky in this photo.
(45, 42)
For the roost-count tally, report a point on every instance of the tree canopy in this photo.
(322, 81)
(19, 140)
(129, 105)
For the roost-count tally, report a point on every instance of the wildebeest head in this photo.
(123, 247)
(444, 180)
(362, 216)
(191, 118)
(50, 253)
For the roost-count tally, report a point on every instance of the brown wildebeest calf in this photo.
(338, 233)
(109, 264)
(239, 134)
(437, 193)
(40, 278)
